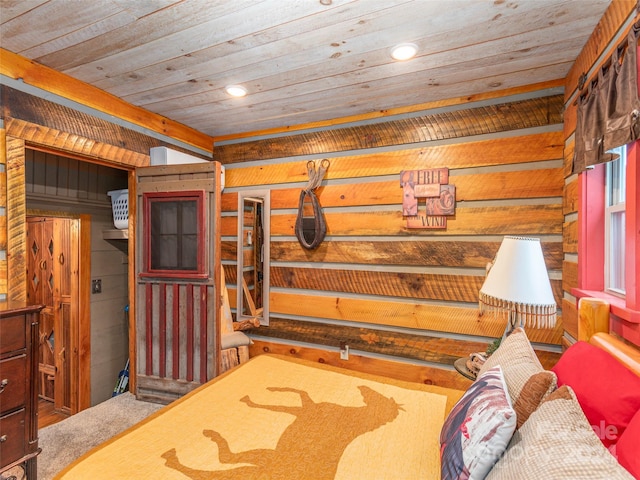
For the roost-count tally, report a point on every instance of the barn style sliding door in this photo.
(178, 279)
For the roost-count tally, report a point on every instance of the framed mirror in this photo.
(253, 256)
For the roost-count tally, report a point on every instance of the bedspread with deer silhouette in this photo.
(280, 418)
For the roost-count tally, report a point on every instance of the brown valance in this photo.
(609, 109)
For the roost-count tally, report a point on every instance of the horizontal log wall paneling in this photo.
(406, 371)
(498, 117)
(469, 153)
(83, 133)
(402, 370)
(375, 284)
(455, 288)
(595, 53)
(459, 252)
(570, 317)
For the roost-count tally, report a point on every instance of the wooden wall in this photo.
(386, 290)
(70, 180)
(609, 33)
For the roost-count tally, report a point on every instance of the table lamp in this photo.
(517, 287)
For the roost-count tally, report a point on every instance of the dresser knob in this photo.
(3, 384)
(3, 438)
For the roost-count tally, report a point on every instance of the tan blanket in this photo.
(277, 418)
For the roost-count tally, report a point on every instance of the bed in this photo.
(277, 417)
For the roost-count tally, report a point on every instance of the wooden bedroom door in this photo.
(40, 290)
(52, 282)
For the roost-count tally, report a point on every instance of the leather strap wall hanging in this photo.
(311, 229)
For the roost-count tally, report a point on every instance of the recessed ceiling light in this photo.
(404, 51)
(236, 90)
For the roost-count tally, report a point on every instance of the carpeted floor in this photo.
(65, 441)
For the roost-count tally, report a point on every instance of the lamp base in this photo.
(513, 322)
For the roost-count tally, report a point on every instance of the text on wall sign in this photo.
(433, 186)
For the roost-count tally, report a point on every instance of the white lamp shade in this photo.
(518, 286)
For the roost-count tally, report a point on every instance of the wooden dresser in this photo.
(19, 386)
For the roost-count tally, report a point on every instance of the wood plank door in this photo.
(53, 245)
(40, 291)
(178, 268)
(65, 323)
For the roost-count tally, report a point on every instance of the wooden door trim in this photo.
(84, 312)
(15, 218)
(131, 272)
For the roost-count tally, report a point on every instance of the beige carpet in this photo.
(65, 441)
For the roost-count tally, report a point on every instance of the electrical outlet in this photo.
(344, 351)
(96, 286)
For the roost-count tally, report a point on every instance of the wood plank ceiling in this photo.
(302, 61)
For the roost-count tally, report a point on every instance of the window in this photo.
(614, 224)
(174, 234)
(609, 239)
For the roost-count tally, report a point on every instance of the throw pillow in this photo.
(557, 443)
(607, 391)
(528, 382)
(627, 446)
(478, 428)
(537, 387)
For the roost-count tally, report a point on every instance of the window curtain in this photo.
(609, 109)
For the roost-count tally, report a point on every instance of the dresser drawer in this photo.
(13, 332)
(13, 382)
(12, 439)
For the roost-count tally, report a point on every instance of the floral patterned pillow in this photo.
(478, 428)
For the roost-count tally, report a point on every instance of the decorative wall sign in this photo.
(433, 186)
